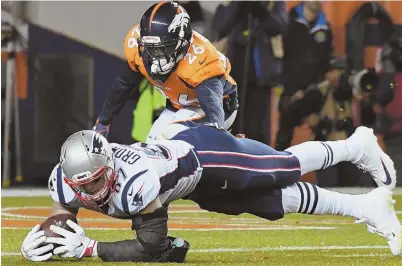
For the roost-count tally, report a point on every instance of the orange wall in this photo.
(339, 12)
(22, 86)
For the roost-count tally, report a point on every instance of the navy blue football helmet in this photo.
(165, 37)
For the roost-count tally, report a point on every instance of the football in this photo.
(59, 220)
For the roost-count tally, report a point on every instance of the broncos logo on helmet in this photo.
(180, 20)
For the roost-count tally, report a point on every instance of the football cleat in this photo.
(380, 217)
(371, 158)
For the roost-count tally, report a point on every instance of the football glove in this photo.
(73, 244)
(33, 249)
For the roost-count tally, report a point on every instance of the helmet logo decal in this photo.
(180, 20)
(97, 145)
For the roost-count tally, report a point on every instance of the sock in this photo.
(310, 199)
(316, 155)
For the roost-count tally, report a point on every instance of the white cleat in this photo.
(371, 157)
(380, 217)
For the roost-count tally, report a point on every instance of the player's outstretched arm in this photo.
(152, 243)
(122, 90)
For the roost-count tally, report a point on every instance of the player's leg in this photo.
(160, 124)
(265, 166)
(374, 208)
(361, 149)
(237, 164)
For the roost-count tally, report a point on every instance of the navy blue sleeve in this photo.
(210, 96)
(124, 87)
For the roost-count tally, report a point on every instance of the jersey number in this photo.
(197, 50)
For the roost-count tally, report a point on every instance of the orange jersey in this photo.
(201, 62)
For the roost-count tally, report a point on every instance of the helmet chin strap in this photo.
(162, 66)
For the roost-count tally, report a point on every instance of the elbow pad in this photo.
(152, 231)
(151, 243)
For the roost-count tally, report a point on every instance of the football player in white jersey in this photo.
(214, 169)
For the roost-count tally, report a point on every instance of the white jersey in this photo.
(168, 169)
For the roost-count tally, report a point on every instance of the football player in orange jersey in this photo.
(182, 64)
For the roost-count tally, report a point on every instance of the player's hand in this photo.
(101, 129)
(33, 248)
(74, 244)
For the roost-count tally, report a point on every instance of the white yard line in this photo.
(290, 248)
(265, 228)
(264, 249)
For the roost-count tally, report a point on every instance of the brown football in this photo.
(59, 220)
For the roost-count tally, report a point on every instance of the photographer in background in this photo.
(335, 120)
(307, 54)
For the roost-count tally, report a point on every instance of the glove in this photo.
(74, 244)
(32, 247)
(101, 129)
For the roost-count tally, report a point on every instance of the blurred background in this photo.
(305, 71)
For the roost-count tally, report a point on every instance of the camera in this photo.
(364, 81)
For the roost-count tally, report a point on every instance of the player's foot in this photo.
(380, 217)
(370, 157)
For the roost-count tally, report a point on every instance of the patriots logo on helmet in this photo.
(97, 145)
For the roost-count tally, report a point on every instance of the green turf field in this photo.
(295, 240)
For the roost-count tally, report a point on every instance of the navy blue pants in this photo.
(240, 175)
